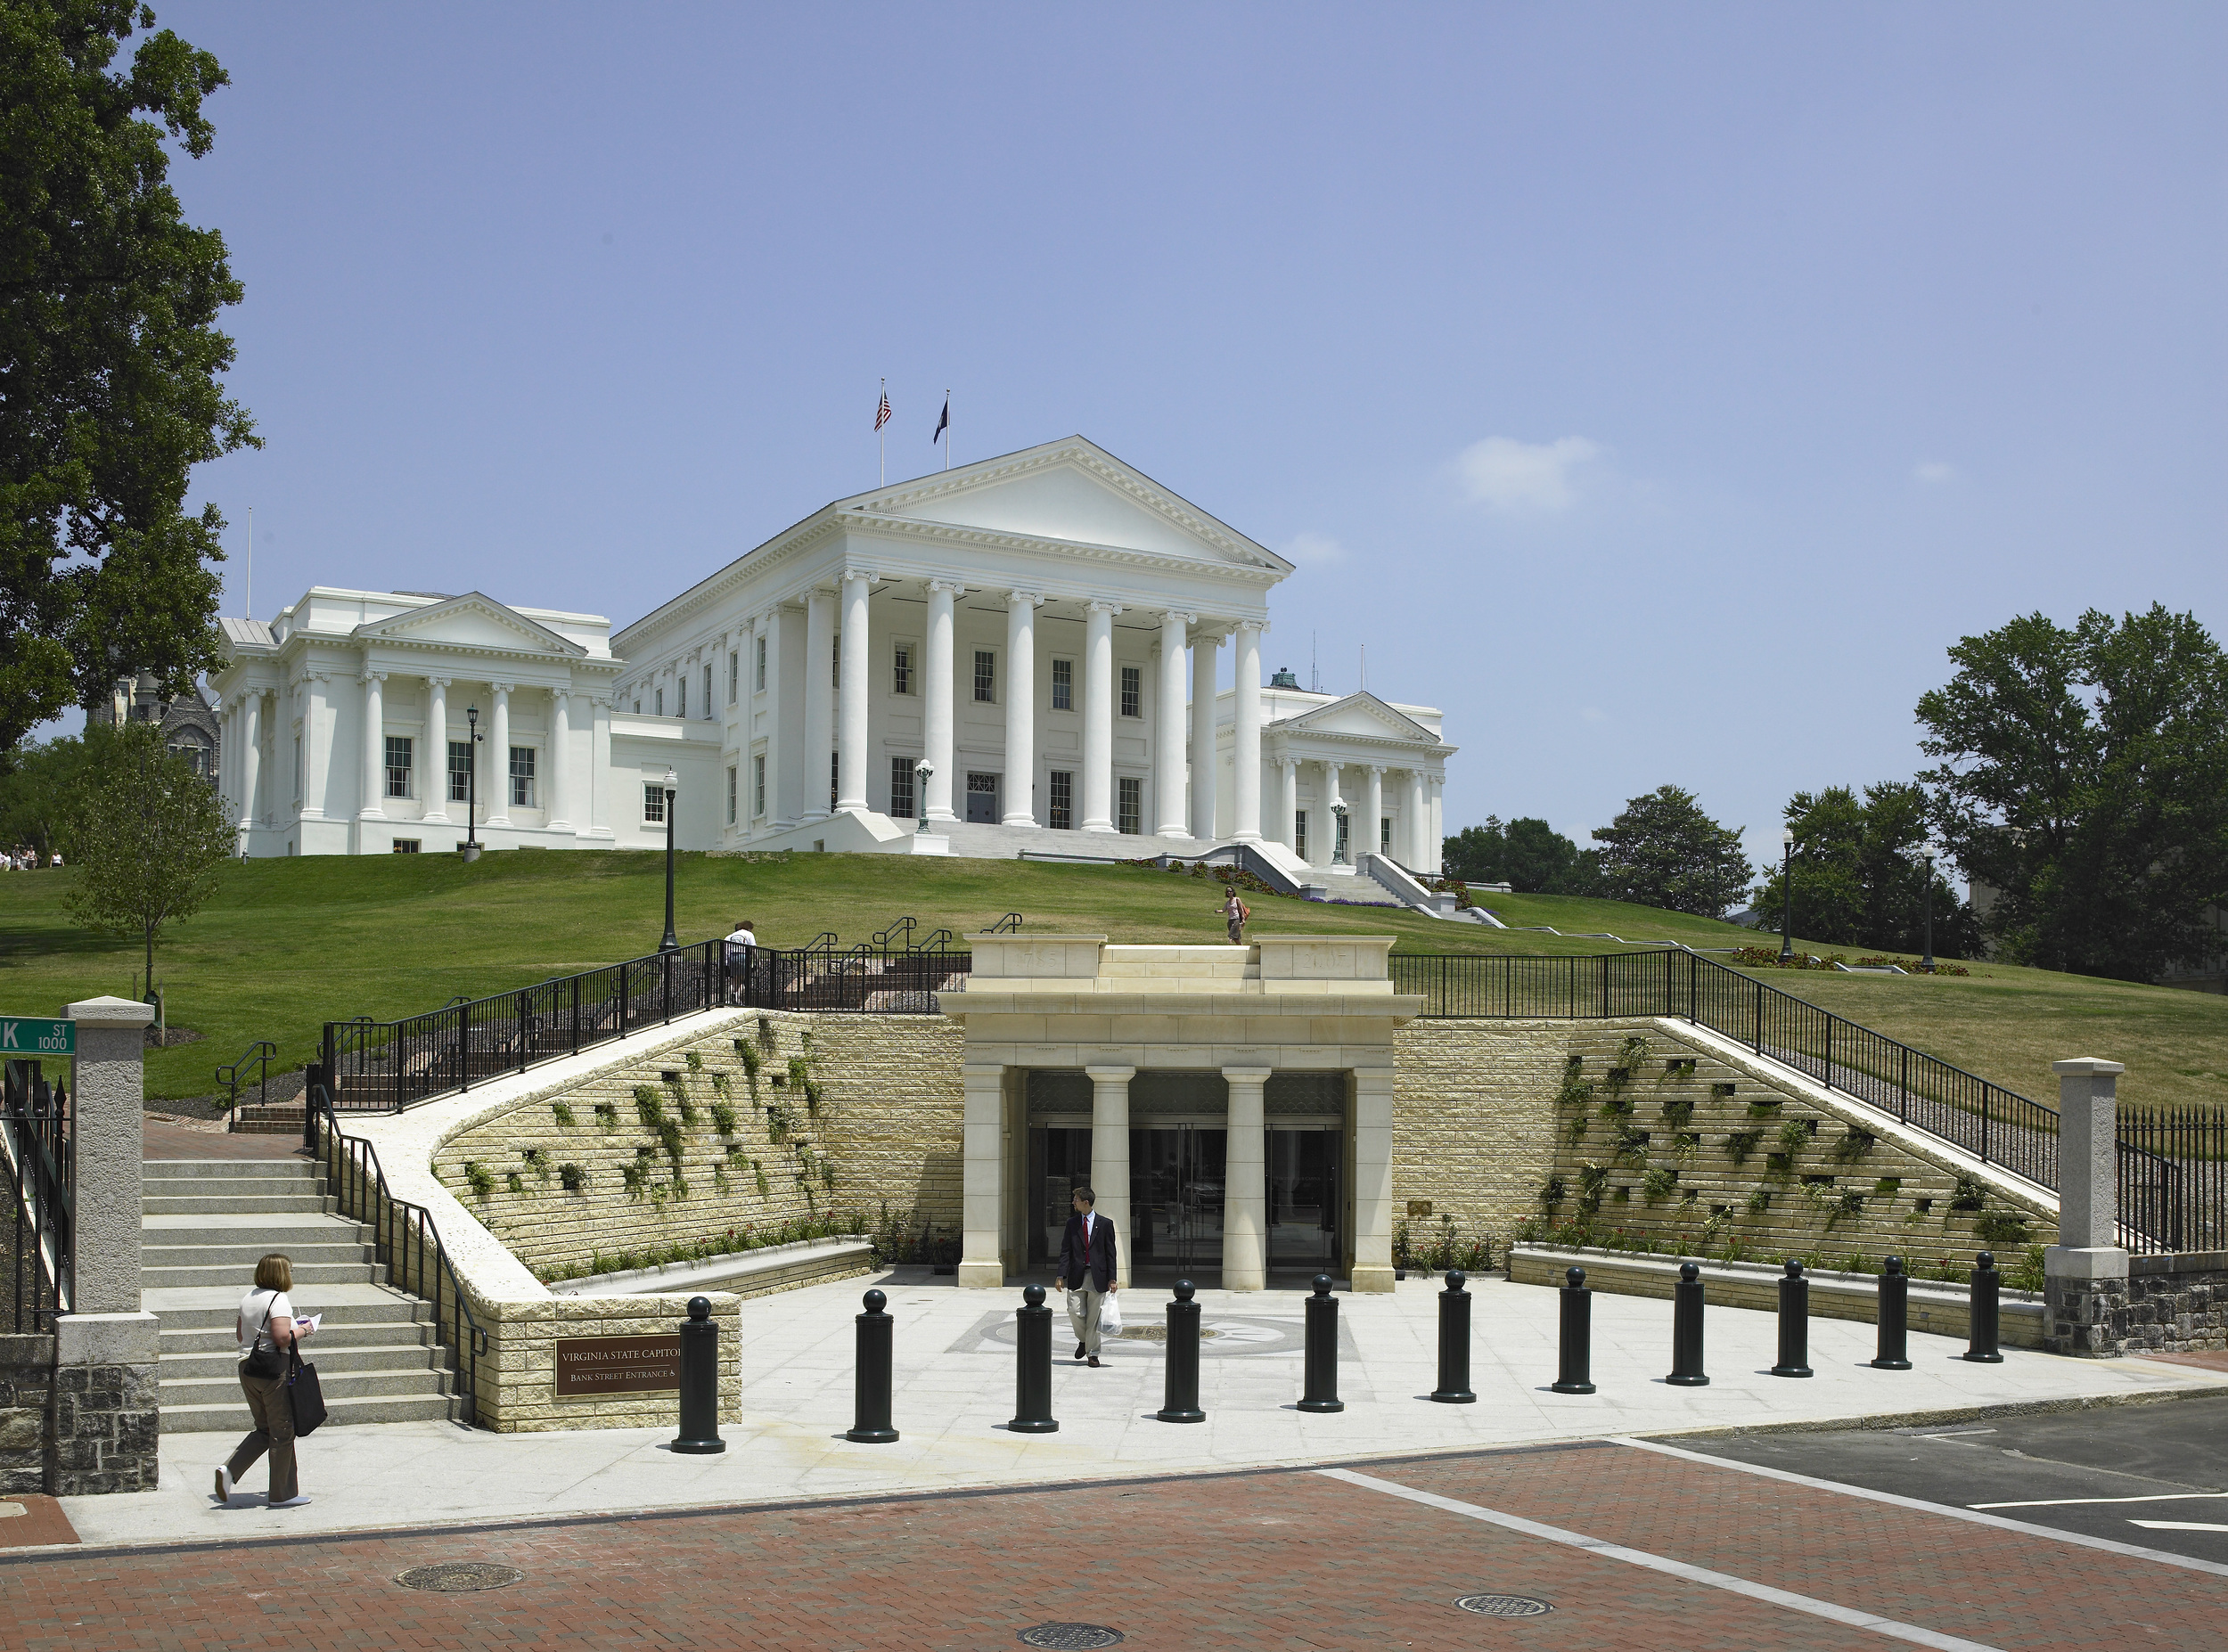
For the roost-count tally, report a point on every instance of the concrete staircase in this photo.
(204, 1224)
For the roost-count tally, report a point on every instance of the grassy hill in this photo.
(288, 944)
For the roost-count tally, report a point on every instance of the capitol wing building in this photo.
(1010, 657)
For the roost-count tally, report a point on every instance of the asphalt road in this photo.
(2133, 1474)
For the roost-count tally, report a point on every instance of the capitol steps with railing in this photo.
(204, 1225)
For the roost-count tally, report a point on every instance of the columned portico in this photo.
(1020, 707)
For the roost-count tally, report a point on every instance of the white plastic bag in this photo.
(1109, 1315)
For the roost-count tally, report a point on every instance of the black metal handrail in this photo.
(37, 1157)
(404, 1239)
(257, 1055)
(1011, 924)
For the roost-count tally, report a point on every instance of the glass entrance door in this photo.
(1303, 1198)
(1175, 1197)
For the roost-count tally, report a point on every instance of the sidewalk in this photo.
(953, 1392)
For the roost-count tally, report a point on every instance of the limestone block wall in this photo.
(517, 1374)
(761, 1121)
(1474, 1122)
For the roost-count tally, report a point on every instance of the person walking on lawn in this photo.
(1235, 912)
(1087, 1271)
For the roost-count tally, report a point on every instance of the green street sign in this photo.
(36, 1035)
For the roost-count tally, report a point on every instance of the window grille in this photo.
(398, 765)
(835, 656)
(734, 674)
(1384, 835)
(522, 777)
(1130, 812)
(653, 804)
(901, 669)
(1061, 809)
(1063, 685)
(761, 666)
(731, 794)
(659, 702)
(680, 695)
(708, 691)
(407, 846)
(1132, 690)
(1299, 833)
(986, 676)
(835, 778)
(757, 787)
(901, 797)
(460, 770)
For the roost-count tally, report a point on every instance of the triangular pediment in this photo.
(471, 621)
(1361, 714)
(1075, 491)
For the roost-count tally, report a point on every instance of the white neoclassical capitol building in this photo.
(1018, 656)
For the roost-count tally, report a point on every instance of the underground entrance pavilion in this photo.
(1231, 1105)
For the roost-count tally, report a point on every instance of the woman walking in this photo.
(1235, 912)
(268, 1333)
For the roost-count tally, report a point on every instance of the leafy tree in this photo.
(2083, 778)
(37, 788)
(1663, 851)
(148, 836)
(1528, 855)
(1858, 875)
(109, 358)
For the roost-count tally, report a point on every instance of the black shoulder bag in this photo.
(304, 1398)
(263, 1362)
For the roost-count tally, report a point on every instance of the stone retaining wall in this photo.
(2167, 1304)
(26, 1376)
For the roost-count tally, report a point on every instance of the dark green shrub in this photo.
(478, 1178)
(572, 1175)
(723, 1118)
(606, 1115)
(649, 1105)
(1742, 1144)
(562, 1113)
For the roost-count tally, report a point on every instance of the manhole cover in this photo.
(1503, 1606)
(1069, 1636)
(459, 1578)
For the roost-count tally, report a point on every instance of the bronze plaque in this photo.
(589, 1366)
(1419, 1208)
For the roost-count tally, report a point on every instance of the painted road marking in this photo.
(1949, 1511)
(2068, 1502)
(1725, 1581)
(2178, 1525)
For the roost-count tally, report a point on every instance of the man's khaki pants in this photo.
(1082, 1313)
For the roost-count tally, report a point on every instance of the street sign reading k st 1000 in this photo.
(23, 1035)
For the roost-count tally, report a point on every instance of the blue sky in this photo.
(1660, 390)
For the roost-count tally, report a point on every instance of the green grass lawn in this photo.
(288, 944)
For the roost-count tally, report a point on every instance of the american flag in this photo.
(882, 413)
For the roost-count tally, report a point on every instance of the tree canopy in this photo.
(1663, 851)
(109, 357)
(1859, 874)
(2083, 777)
(1527, 853)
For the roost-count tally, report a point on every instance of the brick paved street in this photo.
(1271, 1559)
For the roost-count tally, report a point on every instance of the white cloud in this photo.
(1513, 476)
(1314, 549)
(1933, 472)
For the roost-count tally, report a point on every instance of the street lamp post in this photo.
(1787, 890)
(472, 783)
(1925, 964)
(921, 773)
(672, 943)
(1337, 833)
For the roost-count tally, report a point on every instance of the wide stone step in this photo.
(220, 1339)
(153, 1277)
(226, 1169)
(283, 1199)
(232, 1419)
(217, 1252)
(216, 1308)
(336, 1384)
(223, 1366)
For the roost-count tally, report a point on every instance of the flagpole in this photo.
(882, 442)
(947, 427)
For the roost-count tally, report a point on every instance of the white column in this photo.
(498, 779)
(375, 748)
(1324, 826)
(433, 762)
(820, 629)
(1246, 790)
(1373, 814)
(1098, 716)
(1109, 1155)
(317, 751)
(1020, 708)
(251, 754)
(982, 1178)
(1435, 847)
(780, 806)
(936, 722)
(560, 759)
(599, 787)
(1418, 822)
(1167, 755)
(1245, 1182)
(1203, 649)
(1372, 1179)
(858, 656)
(1288, 803)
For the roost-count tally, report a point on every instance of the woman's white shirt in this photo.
(251, 1329)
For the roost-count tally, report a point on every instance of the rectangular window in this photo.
(835, 655)
(522, 777)
(1060, 808)
(1132, 690)
(659, 704)
(638, 708)
(1063, 685)
(680, 695)
(986, 676)
(901, 788)
(1384, 835)
(1131, 811)
(407, 846)
(901, 668)
(731, 794)
(398, 765)
(460, 770)
(734, 675)
(653, 804)
(760, 686)
(1299, 833)
(835, 778)
(1341, 855)
(708, 691)
(757, 787)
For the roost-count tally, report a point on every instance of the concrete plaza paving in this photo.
(953, 1392)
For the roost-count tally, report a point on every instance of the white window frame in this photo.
(653, 804)
(731, 794)
(532, 777)
(758, 785)
(1052, 685)
(759, 671)
(975, 696)
(1122, 675)
(409, 766)
(910, 648)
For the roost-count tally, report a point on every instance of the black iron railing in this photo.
(37, 1169)
(2173, 1177)
(255, 1060)
(404, 1239)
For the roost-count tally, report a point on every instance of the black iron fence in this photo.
(37, 1180)
(2174, 1178)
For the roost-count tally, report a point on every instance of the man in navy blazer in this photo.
(1087, 1271)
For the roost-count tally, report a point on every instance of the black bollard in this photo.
(1033, 1366)
(1895, 1319)
(1686, 1331)
(1322, 1350)
(1576, 1356)
(1982, 1348)
(1180, 1397)
(1794, 1324)
(700, 1382)
(870, 1407)
(1454, 1387)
